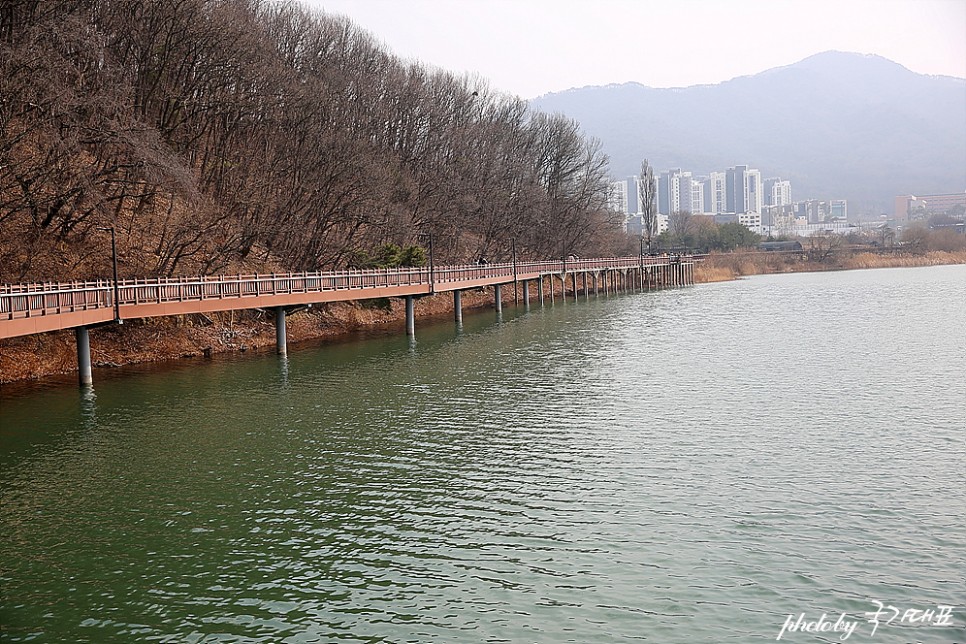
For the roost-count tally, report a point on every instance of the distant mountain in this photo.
(837, 125)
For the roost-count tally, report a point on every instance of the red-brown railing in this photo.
(47, 299)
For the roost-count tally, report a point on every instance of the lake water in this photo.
(693, 465)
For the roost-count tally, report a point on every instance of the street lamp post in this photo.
(642, 262)
(432, 266)
(117, 308)
(513, 251)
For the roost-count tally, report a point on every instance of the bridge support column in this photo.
(83, 356)
(498, 297)
(458, 306)
(526, 293)
(540, 288)
(573, 280)
(281, 344)
(410, 316)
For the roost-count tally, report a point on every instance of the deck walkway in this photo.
(27, 309)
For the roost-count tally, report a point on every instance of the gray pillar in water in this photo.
(540, 287)
(526, 293)
(410, 316)
(281, 347)
(458, 306)
(83, 355)
(498, 297)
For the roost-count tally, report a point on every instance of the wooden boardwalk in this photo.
(27, 309)
(38, 308)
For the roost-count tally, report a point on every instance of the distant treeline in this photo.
(216, 135)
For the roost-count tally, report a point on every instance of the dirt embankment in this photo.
(193, 336)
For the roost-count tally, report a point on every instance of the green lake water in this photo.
(683, 466)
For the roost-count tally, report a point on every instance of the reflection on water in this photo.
(683, 466)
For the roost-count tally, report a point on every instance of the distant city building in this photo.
(635, 225)
(697, 196)
(777, 192)
(739, 195)
(838, 209)
(813, 211)
(743, 190)
(715, 199)
(669, 191)
(617, 197)
(751, 220)
(908, 206)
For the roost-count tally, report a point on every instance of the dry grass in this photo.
(723, 266)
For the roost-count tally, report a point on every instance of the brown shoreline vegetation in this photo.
(721, 267)
(196, 336)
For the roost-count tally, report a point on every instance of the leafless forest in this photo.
(230, 135)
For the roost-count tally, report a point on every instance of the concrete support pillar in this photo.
(540, 288)
(526, 293)
(596, 289)
(586, 292)
(83, 356)
(411, 316)
(574, 281)
(458, 306)
(498, 297)
(281, 347)
(606, 285)
(552, 287)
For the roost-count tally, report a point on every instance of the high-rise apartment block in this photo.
(777, 192)
(740, 195)
(715, 199)
(743, 190)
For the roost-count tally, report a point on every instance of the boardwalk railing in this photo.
(79, 303)
(24, 300)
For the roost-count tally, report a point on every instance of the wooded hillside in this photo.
(225, 135)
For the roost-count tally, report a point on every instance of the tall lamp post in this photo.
(117, 307)
(513, 252)
(642, 261)
(432, 266)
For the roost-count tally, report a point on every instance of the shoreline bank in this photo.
(157, 340)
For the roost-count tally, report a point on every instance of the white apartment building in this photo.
(777, 192)
(715, 199)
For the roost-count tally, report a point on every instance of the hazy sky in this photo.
(531, 47)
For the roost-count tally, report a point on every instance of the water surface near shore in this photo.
(682, 466)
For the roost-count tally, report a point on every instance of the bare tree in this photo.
(647, 203)
(681, 227)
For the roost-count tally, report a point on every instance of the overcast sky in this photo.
(532, 47)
